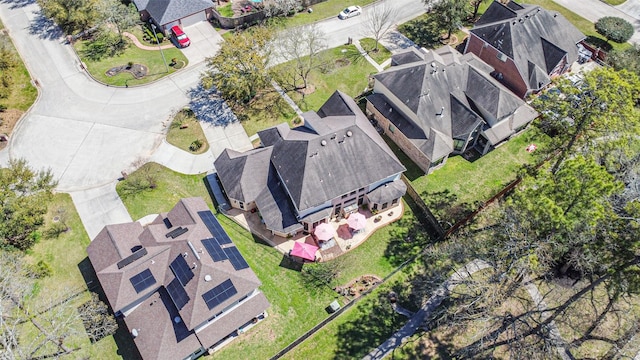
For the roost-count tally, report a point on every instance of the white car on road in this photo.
(351, 11)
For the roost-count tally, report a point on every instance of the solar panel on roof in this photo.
(219, 294)
(236, 258)
(181, 270)
(176, 232)
(131, 258)
(214, 249)
(177, 294)
(142, 281)
(214, 227)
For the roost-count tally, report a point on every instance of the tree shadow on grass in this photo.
(290, 264)
(409, 237)
(126, 347)
(44, 27)
(599, 43)
(375, 322)
(209, 107)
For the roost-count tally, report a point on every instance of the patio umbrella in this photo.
(304, 251)
(357, 221)
(324, 232)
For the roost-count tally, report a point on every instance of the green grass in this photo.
(356, 331)
(581, 23)
(379, 56)
(23, 93)
(348, 73)
(483, 178)
(171, 187)
(184, 130)
(152, 59)
(327, 9)
(266, 110)
(269, 109)
(65, 255)
(615, 2)
(225, 10)
(295, 307)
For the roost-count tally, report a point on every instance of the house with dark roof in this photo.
(167, 13)
(526, 45)
(433, 104)
(181, 286)
(303, 176)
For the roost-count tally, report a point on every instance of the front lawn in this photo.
(151, 59)
(141, 200)
(323, 10)
(348, 72)
(379, 56)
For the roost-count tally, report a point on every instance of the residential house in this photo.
(301, 177)
(526, 45)
(179, 283)
(168, 13)
(437, 103)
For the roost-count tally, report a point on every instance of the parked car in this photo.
(351, 11)
(181, 38)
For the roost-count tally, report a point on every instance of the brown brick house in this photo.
(526, 45)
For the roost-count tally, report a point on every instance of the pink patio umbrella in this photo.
(324, 232)
(357, 221)
(304, 251)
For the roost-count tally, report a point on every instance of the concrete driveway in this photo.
(205, 42)
(631, 8)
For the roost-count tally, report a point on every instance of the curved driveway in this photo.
(87, 133)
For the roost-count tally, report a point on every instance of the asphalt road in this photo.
(87, 133)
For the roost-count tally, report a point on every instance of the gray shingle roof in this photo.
(529, 35)
(388, 192)
(166, 11)
(336, 151)
(243, 175)
(449, 95)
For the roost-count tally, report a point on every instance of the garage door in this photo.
(194, 19)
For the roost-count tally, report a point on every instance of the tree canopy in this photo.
(24, 197)
(614, 28)
(72, 15)
(449, 14)
(239, 69)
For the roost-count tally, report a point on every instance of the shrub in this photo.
(195, 145)
(39, 270)
(614, 29)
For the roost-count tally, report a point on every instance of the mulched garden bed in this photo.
(357, 287)
(137, 70)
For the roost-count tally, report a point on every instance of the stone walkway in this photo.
(137, 43)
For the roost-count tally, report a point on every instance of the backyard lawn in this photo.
(295, 306)
(151, 59)
(484, 177)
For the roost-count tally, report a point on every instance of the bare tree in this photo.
(301, 49)
(379, 20)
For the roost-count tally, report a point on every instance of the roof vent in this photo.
(177, 320)
(194, 266)
(185, 254)
(334, 136)
(433, 65)
(441, 113)
(349, 133)
(207, 277)
(555, 15)
(323, 142)
(134, 333)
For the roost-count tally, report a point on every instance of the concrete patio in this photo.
(346, 240)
